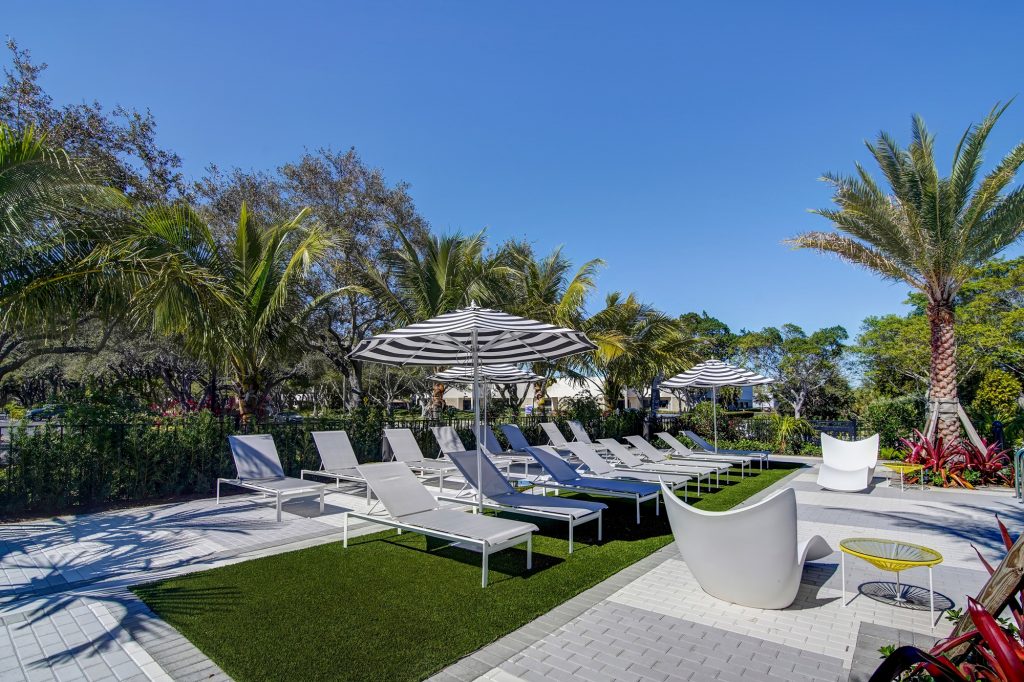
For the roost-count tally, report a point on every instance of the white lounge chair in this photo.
(699, 470)
(449, 441)
(597, 466)
(647, 449)
(337, 459)
(555, 437)
(847, 466)
(680, 450)
(564, 477)
(410, 507)
(748, 556)
(704, 446)
(259, 468)
(582, 436)
(404, 448)
(499, 495)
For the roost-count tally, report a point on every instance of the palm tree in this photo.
(926, 230)
(446, 273)
(649, 343)
(235, 304)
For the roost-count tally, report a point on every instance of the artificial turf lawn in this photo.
(401, 607)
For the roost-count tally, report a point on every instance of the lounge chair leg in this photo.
(657, 504)
(344, 532)
(279, 507)
(570, 536)
(529, 552)
(600, 525)
(321, 502)
(638, 510)
(483, 567)
(218, 491)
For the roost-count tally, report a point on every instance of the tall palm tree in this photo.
(550, 289)
(235, 304)
(649, 343)
(927, 230)
(448, 272)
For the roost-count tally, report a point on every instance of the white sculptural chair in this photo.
(748, 556)
(847, 466)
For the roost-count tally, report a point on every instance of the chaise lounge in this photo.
(847, 466)
(258, 467)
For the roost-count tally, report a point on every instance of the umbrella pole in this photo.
(476, 426)
(714, 414)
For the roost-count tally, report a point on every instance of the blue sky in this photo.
(680, 143)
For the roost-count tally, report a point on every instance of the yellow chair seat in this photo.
(890, 555)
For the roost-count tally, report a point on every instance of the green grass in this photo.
(402, 607)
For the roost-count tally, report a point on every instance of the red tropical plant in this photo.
(946, 460)
(991, 462)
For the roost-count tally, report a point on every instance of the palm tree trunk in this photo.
(437, 400)
(943, 367)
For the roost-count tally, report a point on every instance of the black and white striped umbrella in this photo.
(476, 337)
(473, 335)
(489, 374)
(713, 373)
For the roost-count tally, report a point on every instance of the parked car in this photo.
(45, 413)
(286, 418)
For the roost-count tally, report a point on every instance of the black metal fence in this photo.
(60, 468)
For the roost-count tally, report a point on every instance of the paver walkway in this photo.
(66, 612)
(660, 625)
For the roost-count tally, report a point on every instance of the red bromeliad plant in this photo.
(996, 653)
(945, 460)
(991, 462)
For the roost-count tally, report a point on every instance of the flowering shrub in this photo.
(958, 463)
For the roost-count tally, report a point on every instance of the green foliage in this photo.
(582, 407)
(997, 395)
(14, 410)
(894, 419)
(791, 433)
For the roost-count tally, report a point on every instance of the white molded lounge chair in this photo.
(412, 508)
(337, 459)
(747, 556)
(680, 450)
(404, 448)
(699, 470)
(259, 468)
(499, 495)
(647, 449)
(707, 447)
(564, 477)
(597, 466)
(847, 466)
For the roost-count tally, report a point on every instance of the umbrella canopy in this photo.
(473, 336)
(712, 374)
(489, 374)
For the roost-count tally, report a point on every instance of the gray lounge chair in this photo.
(681, 450)
(582, 436)
(597, 466)
(337, 459)
(699, 470)
(646, 449)
(555, 437)
(449, 441)
(410, 507)
(259, 468)
(564, 477)
(404, 448)
(708, 447)
(499, 495)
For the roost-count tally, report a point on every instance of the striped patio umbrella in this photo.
(476, 337)
(489, 374)
(712, 374)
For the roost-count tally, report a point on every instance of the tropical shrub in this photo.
(997, 396)
(958, 463)
(892, 419)
(582, 407)
(791, 433)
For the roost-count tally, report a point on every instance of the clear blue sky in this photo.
(680, 143)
